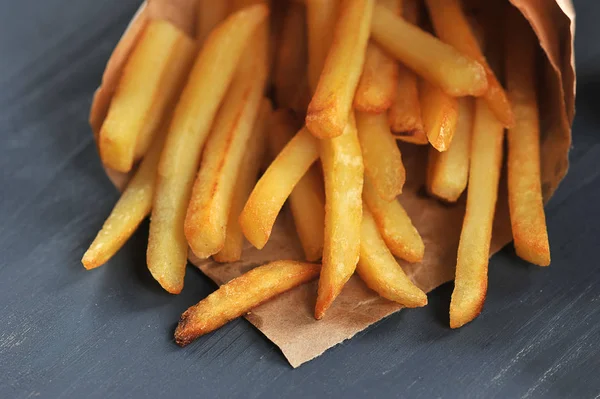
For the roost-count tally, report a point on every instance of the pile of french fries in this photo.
(191, 119)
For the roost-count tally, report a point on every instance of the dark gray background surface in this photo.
(65, 332)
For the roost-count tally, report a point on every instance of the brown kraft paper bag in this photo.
(288, 320)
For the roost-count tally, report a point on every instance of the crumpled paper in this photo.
(288, 319)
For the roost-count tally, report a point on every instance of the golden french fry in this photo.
(380, 271)
(245, 181)
(524, 180)
(210, 14)
(321, 17)
(237, 5)
(440, 115)
(307, 200)
(379, 80)
(291, 60)
(436, 61)
(448, 172)
(343, 171)
(381, 155)
(395, 226)
(470, 285)
(208, 210)
(405, 111)
(327, 114)
(180, 159)
(451, 26)
(240, 295)
(131, 209)
(152, 79)
(275, 185)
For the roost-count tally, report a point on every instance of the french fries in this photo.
(151, 81)
(381, 272)
(210, 203)
(180, 159)
(448, 172)
(327, 114)
(275, 185)
(321, 17)
(240, 295)
(343, 171)
(290, 73)
(210, 14)
(438, 62)
(379, 80)
(395, 226)
(381, 155)
(307, 199)
(440, 115)
(470, 285)
(524, 181)
(245, 181)
(405, 111)
(451, 26)
(131, 209)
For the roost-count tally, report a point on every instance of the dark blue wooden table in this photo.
(65, 332)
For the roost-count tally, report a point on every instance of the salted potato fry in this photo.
(245, 181)
(291, 60)
(379, 80)
(210, 14)
(440, 115)
(524, 180)
(451, 26)
(343, 171)
(381, 155)
(180, 159)
(327, 114)
(208, 210)
(321, 17)
(131, 209)
(307, 200)
(448, 172)
(275, 185)
(240, 295)
(395, 226)
(470, 285)
(380, 271)
(436, 61)
(405, 112)
(152, 79)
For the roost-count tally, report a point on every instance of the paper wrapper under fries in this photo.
(288, 320)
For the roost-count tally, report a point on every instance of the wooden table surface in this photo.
(66, 333)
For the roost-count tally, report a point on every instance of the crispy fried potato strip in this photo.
(379, 80)
(378, 268)
(440, 115)
(381, 155)
(451, 26)
(470, 285)
(327, 114)
(434, 60)
(245, 181)
(210, 14)
(448, 172)
(307, 200)
(524, 179)
(275, 186)
(240, 295)
(208, 210)
(210, 77)
(343, 171)
(321, 17)
(152, 79)
(395, 226)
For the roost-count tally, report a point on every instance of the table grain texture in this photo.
(68, 333)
